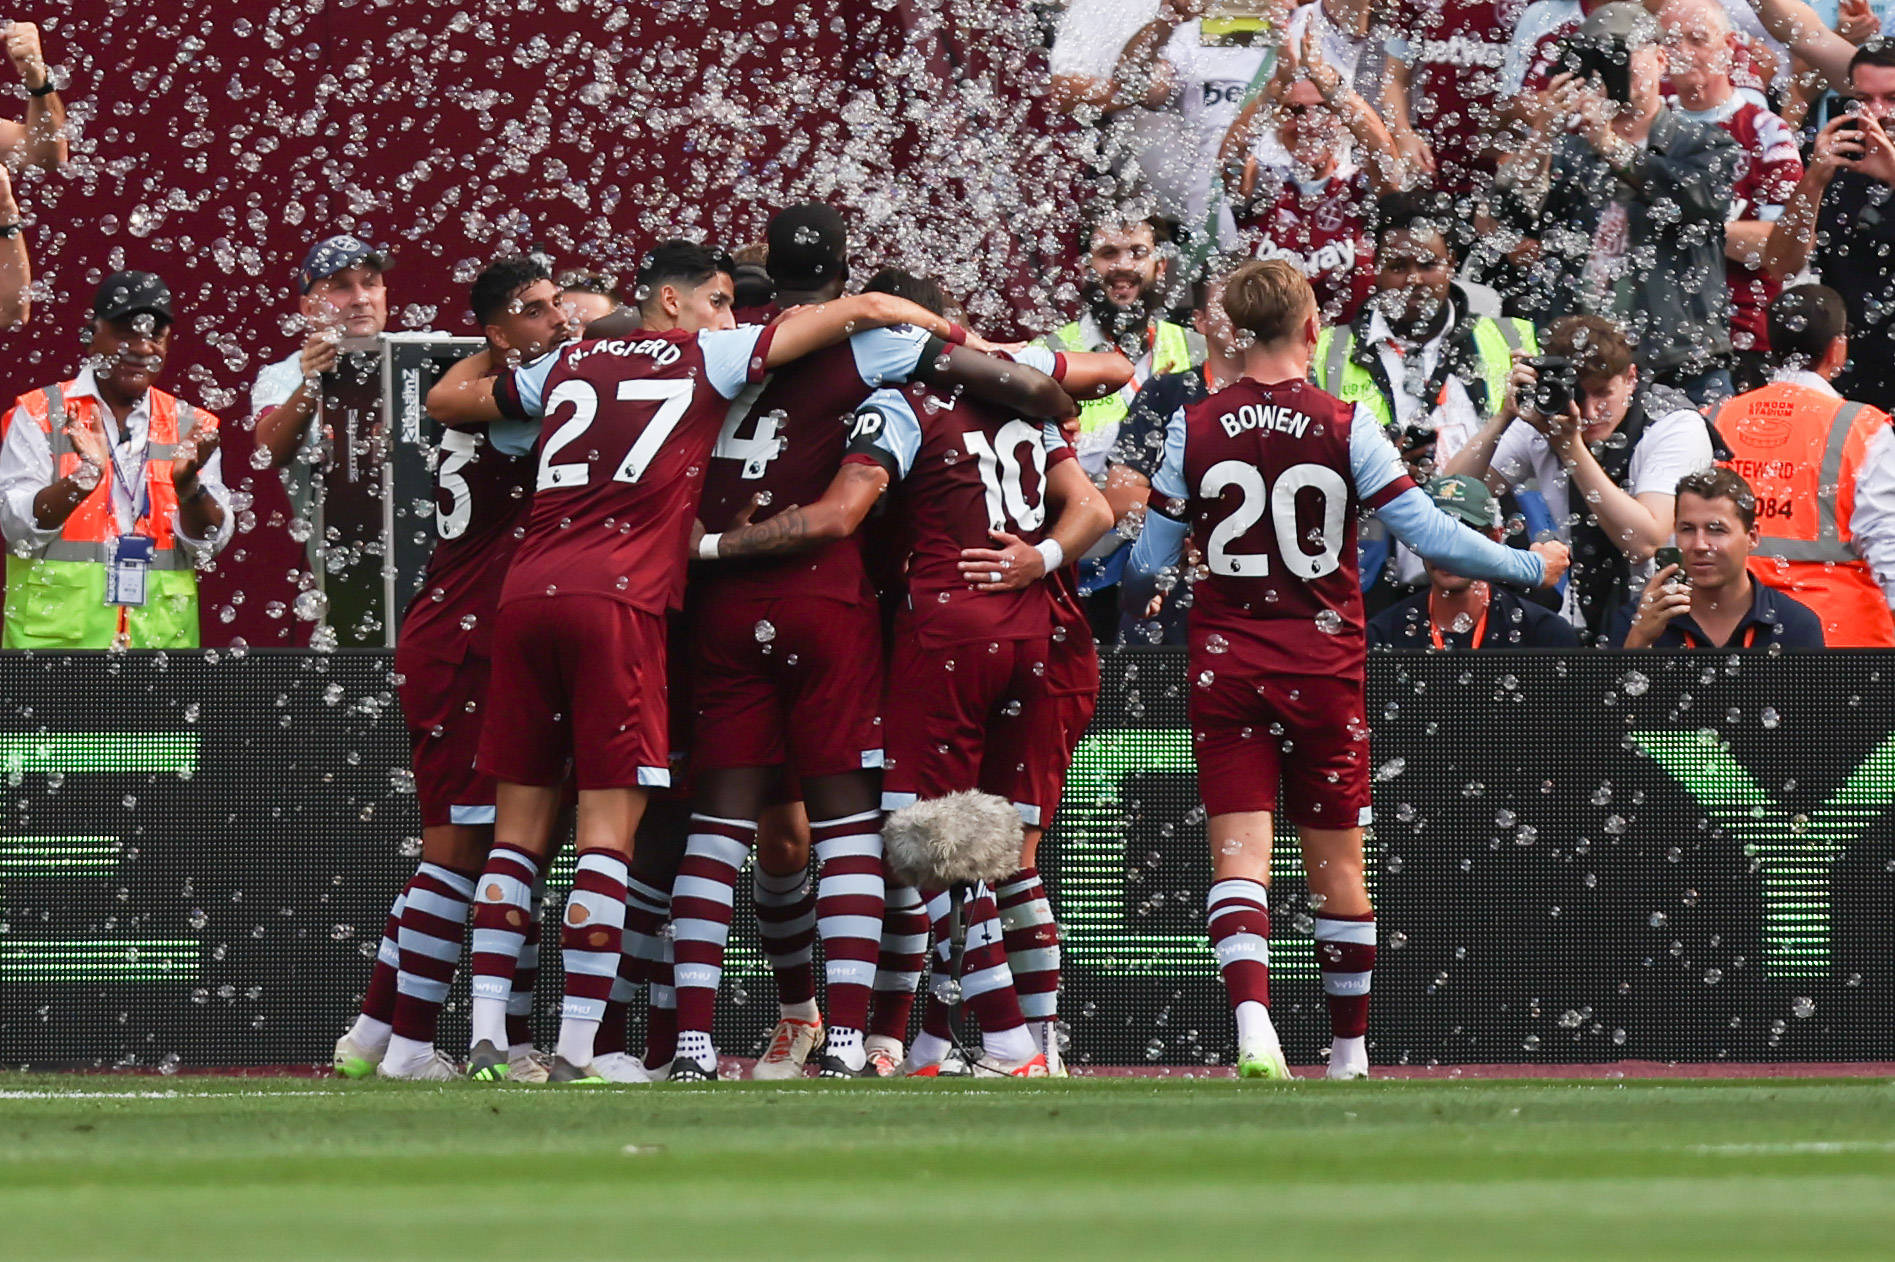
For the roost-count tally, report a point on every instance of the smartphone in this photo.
(1672, 556)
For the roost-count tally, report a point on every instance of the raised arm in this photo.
(41, 141)
(1014, 386)
(1794, 23)
(16, 269)
(465, 393)
(811, 328)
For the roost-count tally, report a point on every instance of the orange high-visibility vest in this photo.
(56, 596)
(1801, 449)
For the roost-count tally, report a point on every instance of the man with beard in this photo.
(1422, 363)
(111, 490)
(1125, 275)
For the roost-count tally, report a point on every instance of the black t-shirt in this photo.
(1854, 252)
(1512, 623)
(1141, 443)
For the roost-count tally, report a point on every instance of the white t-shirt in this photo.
(1092, 34)
(1537, 21)
(1210, 82)
(1671, 446)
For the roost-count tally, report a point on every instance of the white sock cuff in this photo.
(458, 882)
(1238, 890)
(1358, 932)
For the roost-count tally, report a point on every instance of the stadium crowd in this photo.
(730, 559)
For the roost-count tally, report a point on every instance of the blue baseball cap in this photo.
(333, 254)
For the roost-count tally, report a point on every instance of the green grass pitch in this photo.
(200, 1169)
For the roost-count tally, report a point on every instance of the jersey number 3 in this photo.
(1280, 500)
(672, 396)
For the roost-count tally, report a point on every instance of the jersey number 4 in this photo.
(757, 451)
(1280, 500)
(673, 398)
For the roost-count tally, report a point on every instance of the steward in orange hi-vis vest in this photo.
(1803, 449)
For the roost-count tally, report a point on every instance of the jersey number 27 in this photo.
(673, 397)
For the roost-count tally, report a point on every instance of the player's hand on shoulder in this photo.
(1014, 565)
(1556, 557)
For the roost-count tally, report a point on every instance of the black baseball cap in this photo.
(809, 246)
(128, 293)
(332, 254)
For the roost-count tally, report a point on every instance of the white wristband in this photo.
(1051, 553)
(707, 547)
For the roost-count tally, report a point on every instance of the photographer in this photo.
(1837, 222)
(1703, 597)
(1592, 458)
(1628, 200)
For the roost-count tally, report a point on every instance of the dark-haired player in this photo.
(483, 490)
(578, 684)
(1270, 474)
(787, 664)
(966, 690)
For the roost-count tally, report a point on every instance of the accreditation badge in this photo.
(125, 577)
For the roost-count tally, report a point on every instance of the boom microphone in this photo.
(963, 838)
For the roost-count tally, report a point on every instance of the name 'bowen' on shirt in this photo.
(1284, 420)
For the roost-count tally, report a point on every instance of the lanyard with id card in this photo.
(131, 555)
(125, 577)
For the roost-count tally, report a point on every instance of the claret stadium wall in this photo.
(1576, 858)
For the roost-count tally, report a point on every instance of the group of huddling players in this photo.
(756, 576)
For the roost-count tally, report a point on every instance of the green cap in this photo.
(1466, 498)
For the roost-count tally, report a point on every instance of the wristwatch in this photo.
(47, 88)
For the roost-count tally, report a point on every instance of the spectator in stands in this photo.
(1823, 469)
(111, 490)
(1444, 62)
(1711, 601)
(1629, 209)
(1698, 42)
(1421, 361)
(41, 140)
(1315, 207)
(1838, 222)
(1202, 71)
(333, 474)
(1601, 473)
(586, 296)
(1453, 612)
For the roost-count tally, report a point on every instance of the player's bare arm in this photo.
(465, 393)
(998, 381)
(1094, 374)
(1084, 517)
(809, 329)
(848, 499)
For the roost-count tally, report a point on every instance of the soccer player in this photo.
(787, 668)
(966, 685)
(1270, 473)
(578, 686)
(483, 489)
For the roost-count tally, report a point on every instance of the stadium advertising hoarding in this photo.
(1594, 857)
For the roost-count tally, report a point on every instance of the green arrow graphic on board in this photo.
(1795, 854)
(25, 959)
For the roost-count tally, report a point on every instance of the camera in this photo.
(1556, 388)
(1605, 60)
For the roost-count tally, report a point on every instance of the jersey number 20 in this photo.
(1280, 500)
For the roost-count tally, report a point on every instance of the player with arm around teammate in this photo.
(578, 683)
(1270, 474)
(483, 490)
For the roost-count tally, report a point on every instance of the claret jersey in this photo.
(626, 434)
